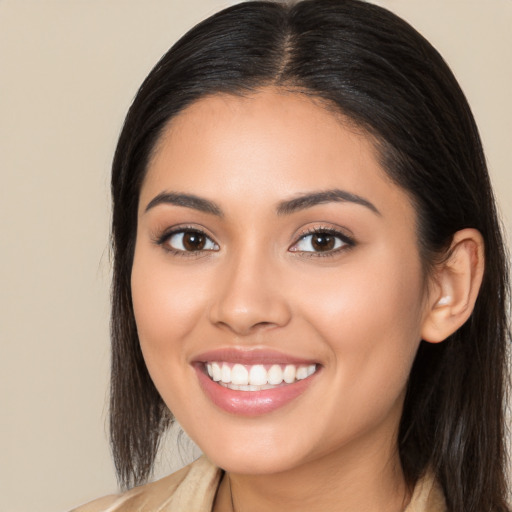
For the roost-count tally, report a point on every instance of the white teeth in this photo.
(301, 373)
(256, 377)
(239, 375)
(217, 373)
(275, 375)
(289, 373)
(226, 373)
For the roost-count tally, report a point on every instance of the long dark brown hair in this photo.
(378, 71)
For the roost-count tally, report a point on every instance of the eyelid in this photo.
(348, 242)
(162, 238)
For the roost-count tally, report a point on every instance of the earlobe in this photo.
(455, 286)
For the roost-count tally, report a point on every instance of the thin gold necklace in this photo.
(231, 495)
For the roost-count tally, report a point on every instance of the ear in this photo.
(454, 286)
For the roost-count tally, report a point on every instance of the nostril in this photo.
(244, 329)
(263, 325)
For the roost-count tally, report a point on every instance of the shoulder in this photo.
(193, 488)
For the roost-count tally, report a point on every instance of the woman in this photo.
(308, 272)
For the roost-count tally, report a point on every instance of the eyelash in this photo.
(164, 238)
(347, 242)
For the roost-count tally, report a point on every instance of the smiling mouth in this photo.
(257, 377)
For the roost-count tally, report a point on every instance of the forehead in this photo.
(271, 144)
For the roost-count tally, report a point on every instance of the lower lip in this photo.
(251, 403)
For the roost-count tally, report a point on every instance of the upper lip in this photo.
(250, 356)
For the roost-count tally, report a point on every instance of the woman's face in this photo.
(274, 253)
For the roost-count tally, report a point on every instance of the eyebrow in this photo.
(322, 197)
(186, 200)
(284, 208)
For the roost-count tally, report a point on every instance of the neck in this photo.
(342, 481)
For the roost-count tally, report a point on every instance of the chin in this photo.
(256, 452)
(253, 463)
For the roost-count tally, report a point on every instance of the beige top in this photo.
(193, 489)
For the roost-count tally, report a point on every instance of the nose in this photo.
(250, 297)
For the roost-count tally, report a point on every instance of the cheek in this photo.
(168, 302)
(369, 316)
(385, 290)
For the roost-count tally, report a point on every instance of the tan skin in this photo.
(339, 282)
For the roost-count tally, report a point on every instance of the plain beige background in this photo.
(68, 72)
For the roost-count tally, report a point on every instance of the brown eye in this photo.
(191, 241)
(323, 242)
